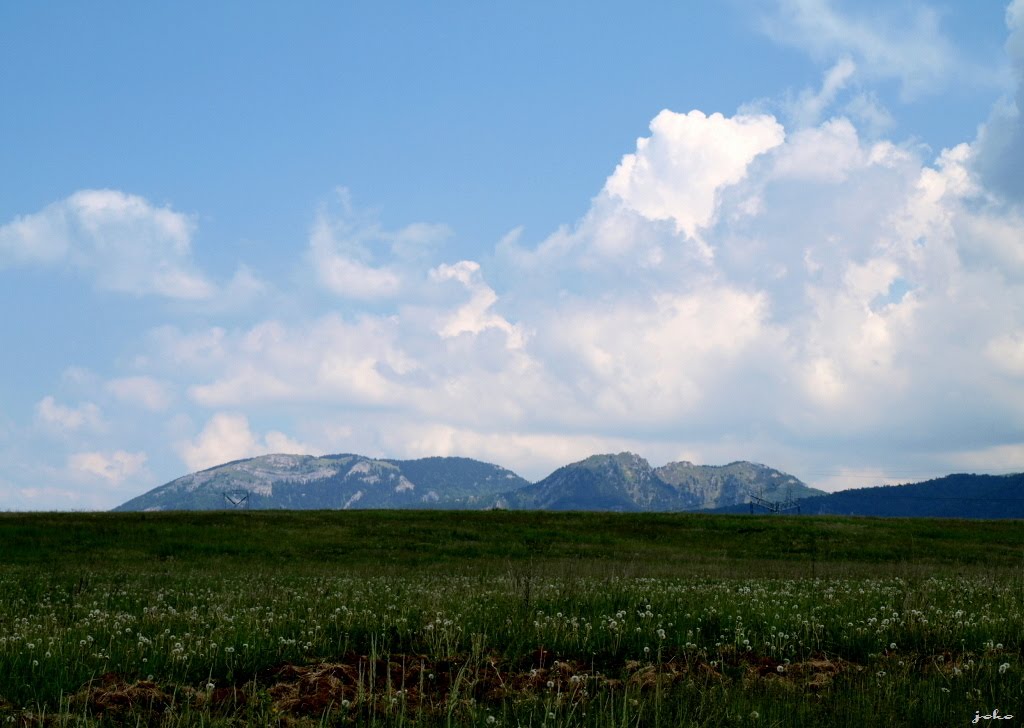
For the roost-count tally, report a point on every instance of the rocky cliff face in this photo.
(715, 486)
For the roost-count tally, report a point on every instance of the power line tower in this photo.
(788, 505)
(237, 500)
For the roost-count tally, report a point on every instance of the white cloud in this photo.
(676, 173)
(1006, 353)
(825, 153)
(227, 437)
(111, 467)
(903, 43)
(199, 350)
(85, 417)
(533, 455)
(820, 297)
(475, 315)
(347, 276)
(329, 358)
(809, 106)
(126, 243)
(344, 248)
(242, 293)
(1000, 147)
(850, 281)
(653, 361)
(141, 391)
(868, 111)
(995, 458)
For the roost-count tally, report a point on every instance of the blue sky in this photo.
(788, 231)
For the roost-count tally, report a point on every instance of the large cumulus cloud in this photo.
(734, 291)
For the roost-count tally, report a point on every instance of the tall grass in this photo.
(264, 620)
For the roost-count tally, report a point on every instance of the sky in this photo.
(785, 231)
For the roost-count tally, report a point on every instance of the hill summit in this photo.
(627, 482)
(334, 482)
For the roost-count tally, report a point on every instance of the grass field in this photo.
(497, 618)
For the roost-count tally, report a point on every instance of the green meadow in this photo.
(509, 619)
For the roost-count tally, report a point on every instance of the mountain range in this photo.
(615, 482)
(609, 482)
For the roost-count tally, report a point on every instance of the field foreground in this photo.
(542, 619)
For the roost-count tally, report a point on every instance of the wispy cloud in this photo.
(141, 391)
(354, 257)
(901, 42)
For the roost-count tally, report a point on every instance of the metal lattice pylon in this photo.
(236, 499)
(774, 506)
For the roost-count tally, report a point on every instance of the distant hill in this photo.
(627, 482)
(335, 482)
(622, 482)
(722, 485)
(953, 496)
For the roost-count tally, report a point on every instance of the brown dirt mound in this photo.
(110, 695)
(417, 684)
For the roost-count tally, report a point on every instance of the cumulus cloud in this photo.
(227, 437)
(857, 297)
(676, 172)
(85, 417)
(113, 468)
(657, 203)
(1006, 352)
(1000, 150)
(341, 272)
(123, 241)
(353, 362)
